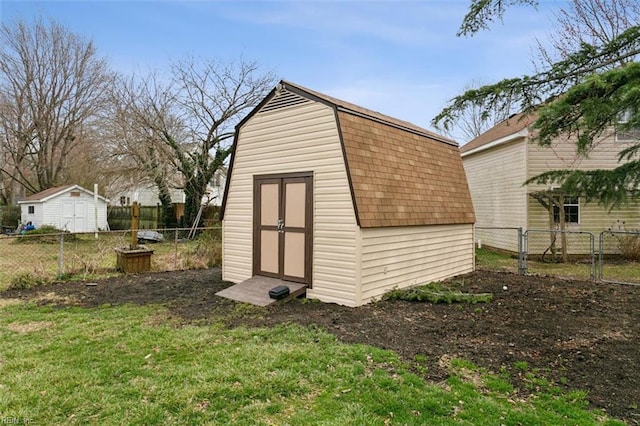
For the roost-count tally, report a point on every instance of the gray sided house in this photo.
(348, 201)
(71, 207)
(498, 162)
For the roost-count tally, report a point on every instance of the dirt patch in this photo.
(583, 335)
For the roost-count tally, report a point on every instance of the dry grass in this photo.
(28, 261)
(629, 245)
(620, 271)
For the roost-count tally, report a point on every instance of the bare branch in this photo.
(53, 85)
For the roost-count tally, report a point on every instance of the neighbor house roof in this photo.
(53, 192)
(400, 174)
(515, 126)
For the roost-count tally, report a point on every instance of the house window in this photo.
(31, 209)
(571, 210)
(626, 135)
(123, 201)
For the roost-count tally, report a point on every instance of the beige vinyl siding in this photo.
(562, 155)
(405, 256)
(593, 217)
(295, 139)
(495, 178)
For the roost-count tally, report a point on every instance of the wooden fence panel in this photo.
(119, 217)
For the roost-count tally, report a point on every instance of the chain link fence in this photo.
(568, 254)
(506, 241)
(609, 256)
(30, 259)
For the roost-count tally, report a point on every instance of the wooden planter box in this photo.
(132, 261)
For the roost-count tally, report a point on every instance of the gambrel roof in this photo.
(399, 174)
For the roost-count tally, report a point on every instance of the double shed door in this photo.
(282, 226)
(73, 216)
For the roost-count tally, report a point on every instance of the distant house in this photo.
(71, 208)
(347, 201)
(498, 162)
(146, 193)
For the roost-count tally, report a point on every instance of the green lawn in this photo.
(133, 365)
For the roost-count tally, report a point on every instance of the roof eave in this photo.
(62, 191)
(503, 140)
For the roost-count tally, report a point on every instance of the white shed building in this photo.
(71, 208)
(347, 201)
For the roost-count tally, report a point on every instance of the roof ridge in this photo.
(369, 113)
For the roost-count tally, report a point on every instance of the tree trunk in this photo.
(194, 191)
(552, 227)
(168, 219)
(563, 227)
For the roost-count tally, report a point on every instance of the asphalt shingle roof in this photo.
(401, 174)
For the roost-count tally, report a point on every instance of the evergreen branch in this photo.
(531, 91)
(589, 108)
(611, 188)
(629, 153)
(482, 12)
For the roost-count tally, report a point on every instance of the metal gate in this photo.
(556, 246)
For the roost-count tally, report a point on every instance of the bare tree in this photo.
(140, 111)
(196, 124)
(477, 119)
(593, 22)
(52, 85)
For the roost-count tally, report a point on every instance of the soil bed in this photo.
(582, 335)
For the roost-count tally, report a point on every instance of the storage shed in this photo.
(71, 208)
(348, 201)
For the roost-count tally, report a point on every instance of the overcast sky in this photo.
(401, 58)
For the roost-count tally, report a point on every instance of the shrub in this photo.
(44, 234)
(629, 245)
(10, 216)
(628, 241)
(25, 281)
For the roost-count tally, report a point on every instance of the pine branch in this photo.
(611, 188)
(482, 12)
(531, 91)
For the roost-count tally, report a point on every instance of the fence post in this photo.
(521, 261)
(60, 256)
(593, 256)
(600, 255)
(175, 244)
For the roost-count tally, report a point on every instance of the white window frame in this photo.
(565, 205)
(629, 136)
